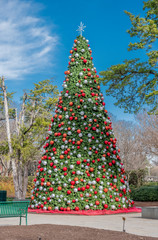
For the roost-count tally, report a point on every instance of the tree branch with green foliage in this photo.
(134, 83)
(31, 125)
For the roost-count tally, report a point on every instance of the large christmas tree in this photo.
(80, 168)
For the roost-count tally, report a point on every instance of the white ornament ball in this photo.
(71, 166)
(87, 207)
(81, 73)
(112, 207)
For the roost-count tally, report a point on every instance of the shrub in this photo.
(149, 184)
(6, 183)
(136, 177)
(145, 193)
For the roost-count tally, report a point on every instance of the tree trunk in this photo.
(20, 174)
(128, 175)
(4, 171)
(25, 181)
(15, 180)
(8, 164)
(7, 116)
(12, 161)
(21, 181)
(16, 122)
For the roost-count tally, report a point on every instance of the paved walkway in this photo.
(134, 223)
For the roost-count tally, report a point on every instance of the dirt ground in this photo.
(57, 232)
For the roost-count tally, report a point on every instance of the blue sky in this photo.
(36, 37)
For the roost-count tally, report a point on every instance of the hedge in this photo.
(145, 193)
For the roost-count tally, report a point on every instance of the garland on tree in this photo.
(80, 168)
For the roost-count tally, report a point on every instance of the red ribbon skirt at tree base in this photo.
(89, 212)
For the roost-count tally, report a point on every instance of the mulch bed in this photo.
(57, 232)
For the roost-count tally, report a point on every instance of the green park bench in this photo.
(14, 209)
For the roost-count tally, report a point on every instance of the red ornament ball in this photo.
(105, 206)
(97, 202)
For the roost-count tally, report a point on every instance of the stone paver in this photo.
(134, 223)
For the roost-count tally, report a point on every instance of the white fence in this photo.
(151, 179)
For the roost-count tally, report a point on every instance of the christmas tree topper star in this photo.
(81, 28)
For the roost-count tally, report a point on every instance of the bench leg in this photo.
(20, 221)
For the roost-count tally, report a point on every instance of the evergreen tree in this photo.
(80, 168)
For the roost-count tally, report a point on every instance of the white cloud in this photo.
(27, 44)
